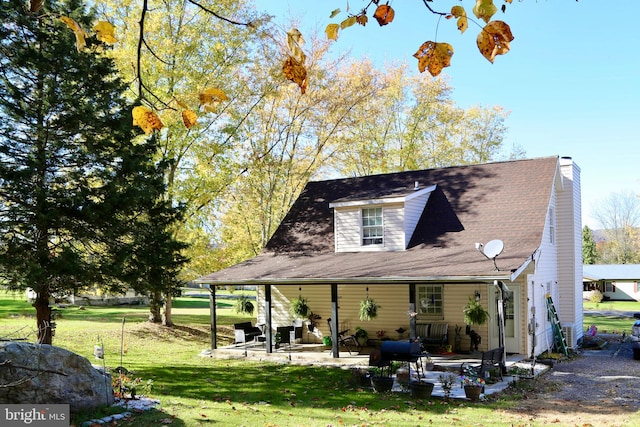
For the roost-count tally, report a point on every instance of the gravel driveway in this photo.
(598, 388)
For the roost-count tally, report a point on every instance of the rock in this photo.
(44, 374)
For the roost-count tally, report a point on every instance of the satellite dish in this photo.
(493, 248)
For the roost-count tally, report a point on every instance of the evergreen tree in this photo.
(79, 200)
(589, 252)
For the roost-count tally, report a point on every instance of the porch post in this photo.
(412, 308)
(212, 313)
(335, 348)
(267, 318)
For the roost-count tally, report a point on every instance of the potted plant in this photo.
(362, 336)
(473, 386)
(421, 388)
(381, 379)
(312, 319)
(368, 309)
(300, 308)
(244, 305)
(475, 313)
(446, 380)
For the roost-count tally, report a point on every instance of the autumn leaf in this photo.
(434, 57)
(105, 32)
(350, 21)
(461, 14)
(334, 12)
(484, 9)
(189, 118)
(494, 39)
(384, 14)
(332, 31)
(35, 5)
(211, 98)
(77, 30)
(296, 72)
(146, 119)
(295, 42)
(362, 19)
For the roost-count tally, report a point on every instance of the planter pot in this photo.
(382, 384)
(421, 389)
(472, 392)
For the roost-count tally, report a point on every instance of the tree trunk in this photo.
(155, 305)
(166, 318)
(43, 318)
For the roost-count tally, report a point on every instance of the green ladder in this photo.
(559, 340)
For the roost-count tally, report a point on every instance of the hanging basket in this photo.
(475, 313)
(368, 309)
(300, 308)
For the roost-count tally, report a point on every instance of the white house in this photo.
(408, 240)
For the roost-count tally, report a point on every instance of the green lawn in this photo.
(196, 391)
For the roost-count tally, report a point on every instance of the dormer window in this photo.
(372, 227)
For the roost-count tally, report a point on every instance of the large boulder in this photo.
(43, 374)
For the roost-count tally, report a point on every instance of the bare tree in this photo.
(619, 216)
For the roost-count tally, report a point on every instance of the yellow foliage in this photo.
(434, 57)
(295, 42)
(296, 72)
(211, 98)
(494, 39)
(350, 21)
(484, 9)
(146, 119)
(189, 118)
(77, 30)
(332, 31)
(461, 14)
(105, 32)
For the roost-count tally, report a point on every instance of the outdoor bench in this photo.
(433, 334)
(491, 360)
(246, 332)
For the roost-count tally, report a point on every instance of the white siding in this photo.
(569, 219)
(347, 229)
(412, 212)
(349, 224)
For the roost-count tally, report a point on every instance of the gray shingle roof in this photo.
(473, 203)
(611, 271)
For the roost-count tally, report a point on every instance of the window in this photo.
(429, 300)
(372, 230)
(552, 226)
(609, 286)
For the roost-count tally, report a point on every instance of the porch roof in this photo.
(474, 203)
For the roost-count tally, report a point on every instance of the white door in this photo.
(511, 319)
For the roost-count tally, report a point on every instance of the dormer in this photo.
(382, 222)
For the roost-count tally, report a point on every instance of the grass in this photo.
(196, 391)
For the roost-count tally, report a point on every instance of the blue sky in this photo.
(571, 80)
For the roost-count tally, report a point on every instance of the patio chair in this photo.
(344, 338)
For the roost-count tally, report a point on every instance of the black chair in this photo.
(345, 339)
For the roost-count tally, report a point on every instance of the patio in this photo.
(318, 354)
